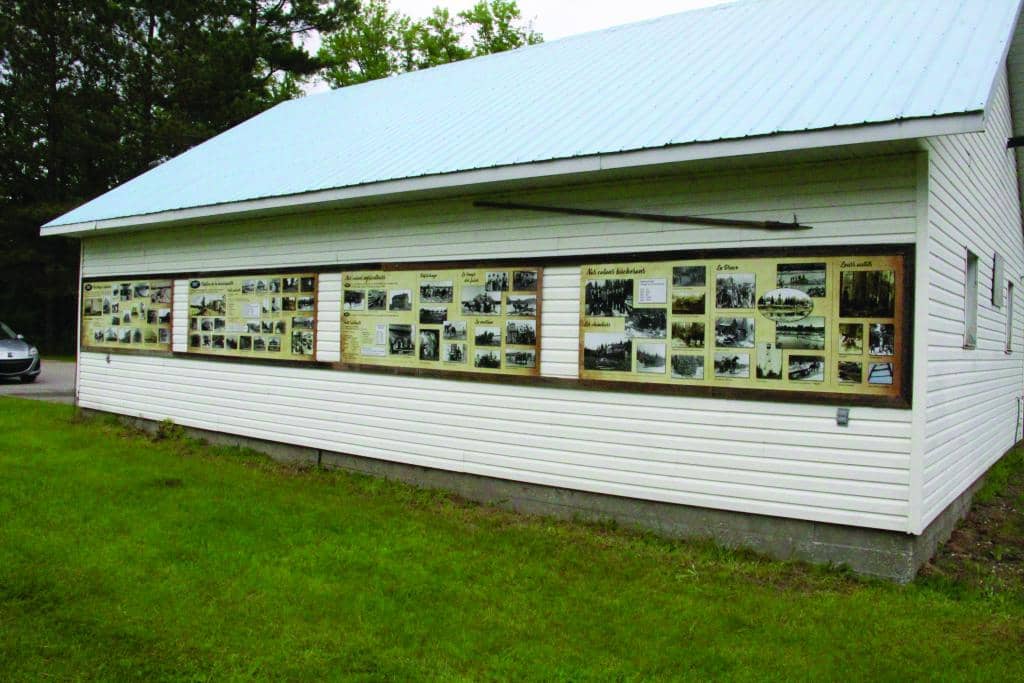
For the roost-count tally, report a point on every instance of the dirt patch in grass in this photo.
(986, 551)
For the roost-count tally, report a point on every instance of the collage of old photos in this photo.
(825, 324)
(457, 320)
(127, 314)
(266, 316)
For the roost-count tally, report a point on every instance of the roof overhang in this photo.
(578, 168)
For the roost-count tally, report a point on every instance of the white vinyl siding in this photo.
(972, 393)
(774, 458)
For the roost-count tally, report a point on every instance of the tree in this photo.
(381, 42)
(93, 92)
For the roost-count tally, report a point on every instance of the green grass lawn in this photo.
(123, 557)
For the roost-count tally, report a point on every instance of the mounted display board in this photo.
(127, 314)
(807, 324)
(271, 316)
(457, 320)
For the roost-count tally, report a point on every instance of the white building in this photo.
(884, 126)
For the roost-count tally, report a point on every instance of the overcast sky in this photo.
(559, 18)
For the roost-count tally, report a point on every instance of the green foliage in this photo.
(380, 42)
(94, 92)
(122, 557)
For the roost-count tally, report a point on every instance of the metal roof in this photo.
(752, 68)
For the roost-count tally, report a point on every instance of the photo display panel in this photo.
(807, 324)
(270, 316)
(127, 314)
(460, 320)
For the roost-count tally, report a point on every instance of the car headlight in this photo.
(33, 351)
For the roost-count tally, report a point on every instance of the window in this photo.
(1009, 317)
(971, 302)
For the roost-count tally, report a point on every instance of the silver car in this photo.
(18, 358)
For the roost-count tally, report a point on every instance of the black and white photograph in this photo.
(355, 299)
(306, 303)
(115, 320)
(124, 291)
(115, 307)
(809, 278)
(274, 286)
(400, 300)
(686, 302)
(163, 316)
(302, 323)
(496, 282)
(160, 295)
(290, 284)
(608, 351)
(280, 327)
(867, 294)
(207, 304)
(436, 292)
(433, 315)
(524, 281)
(266, 327)
(193, 341)
(520, 358)
(455, 330)
(136, 336)
(689, 276)
(732, 365)
(245, 343)
(126, 318)
(141, 290)
(151, 317)
(487, 359)
(804, 335)
(302, 343)
(769, 362)
(377, 300)
(649, 323)
(806, 368)
(851, 372)
(522, 305)
(274, 345)
(454, 353)
(251, 326)
(259, 344)
(93, 308)
(271, 305)
(307, 284)
(249, 287)
(689, 335)
(650, 358)
(219, 324)
(487, 336)
(111, 335)
(400, 340)
(288, 303)
(881, 339)
(687, 367)
(880, 373)
(521, 332)
(206, 325)
(193, 324)
(107, 303)
(125, 335)
(735, 290)
(477, 301)
(785, 305)
(851, 339)
(231, 342)
(430, 345)
(734, 333)
(218, 341)
(608, 298)
(151, 336)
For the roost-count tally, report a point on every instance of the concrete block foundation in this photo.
(889, 555)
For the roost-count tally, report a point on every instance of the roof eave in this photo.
(969, 122)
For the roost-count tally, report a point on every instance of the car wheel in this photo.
(28, 379)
